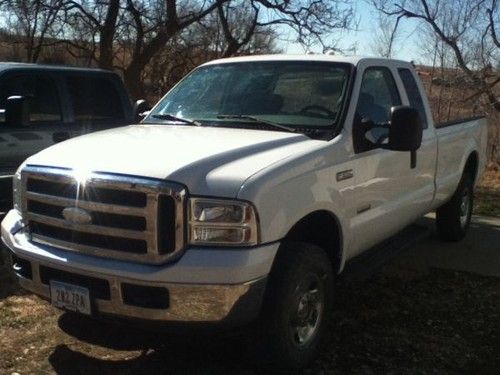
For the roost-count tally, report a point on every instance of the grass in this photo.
(487, 195)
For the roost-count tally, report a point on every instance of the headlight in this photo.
(16, 190)
(222, 222)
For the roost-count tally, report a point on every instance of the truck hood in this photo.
(208, 160)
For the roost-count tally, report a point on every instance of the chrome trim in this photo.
(234, 304)
(86, 205)
(88, 228)
(153, 189)
(249, 221)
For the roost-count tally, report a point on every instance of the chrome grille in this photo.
(130, 218)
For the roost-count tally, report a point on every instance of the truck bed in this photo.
(456, 141)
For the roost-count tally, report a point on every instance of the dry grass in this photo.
(395, 322)
(443, 322)
(487, 196)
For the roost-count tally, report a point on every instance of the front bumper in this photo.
(226, 289)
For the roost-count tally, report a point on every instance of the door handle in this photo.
(60, 136)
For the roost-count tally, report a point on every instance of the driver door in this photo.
(386, 190)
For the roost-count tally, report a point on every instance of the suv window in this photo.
(413, 93)
(94, 99)
(41, 92)
(377, 95)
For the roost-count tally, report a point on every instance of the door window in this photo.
(377, 95)
(94, 99)
(41, 93)
(413, 93)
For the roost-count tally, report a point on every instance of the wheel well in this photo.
(320, 228)
(471, 164)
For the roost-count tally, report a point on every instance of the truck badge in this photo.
(77, 215)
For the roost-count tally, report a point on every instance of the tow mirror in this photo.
(141, 107)
(405, 131)
(17, 111)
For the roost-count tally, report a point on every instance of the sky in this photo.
(407, 47)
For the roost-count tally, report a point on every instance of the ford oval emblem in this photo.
(77, 215)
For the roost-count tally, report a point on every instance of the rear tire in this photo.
(453, 218)
(297, 307)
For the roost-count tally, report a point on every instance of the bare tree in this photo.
(34, 21)
(468, 28)
(462, 37)
(386, 36)
(241, 30)
(129, 35)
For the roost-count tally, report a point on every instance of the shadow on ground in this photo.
(171, 351)
(478, 252)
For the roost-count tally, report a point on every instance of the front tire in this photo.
(453, 218)
(297, 307)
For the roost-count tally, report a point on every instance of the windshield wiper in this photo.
(169, 117)
(256, 119)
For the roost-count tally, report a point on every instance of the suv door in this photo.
(46, 125)
(388, 193)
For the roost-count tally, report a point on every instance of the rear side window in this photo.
(377, 95)
(94, 99)
(41, 93)
(413, 93)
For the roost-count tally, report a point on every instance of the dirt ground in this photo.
(398, 321)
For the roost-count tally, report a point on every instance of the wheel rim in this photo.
(306, 315)
(465, 207)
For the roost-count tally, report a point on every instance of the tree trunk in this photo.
(133, 80)
(107, 34)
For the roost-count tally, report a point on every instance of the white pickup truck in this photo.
(241, 196)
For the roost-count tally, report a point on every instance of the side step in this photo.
(371, 261)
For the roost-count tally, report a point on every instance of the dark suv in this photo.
(42, 105)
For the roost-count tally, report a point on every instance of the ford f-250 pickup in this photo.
(241, 195)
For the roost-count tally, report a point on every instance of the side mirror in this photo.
(405, 132)
(140, 107)
(17, 111)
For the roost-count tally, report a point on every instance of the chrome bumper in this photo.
(205, 285)
(227, 304)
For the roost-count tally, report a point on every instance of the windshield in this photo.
(293, 93)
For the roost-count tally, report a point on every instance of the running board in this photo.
(371, 261)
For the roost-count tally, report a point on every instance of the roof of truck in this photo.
(32, 66)
(354, 60)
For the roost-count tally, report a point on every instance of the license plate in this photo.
(70, 297)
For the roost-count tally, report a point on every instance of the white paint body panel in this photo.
(456, 143)
(285, 175)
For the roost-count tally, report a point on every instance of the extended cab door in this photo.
(388, 193)
(46, 124)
